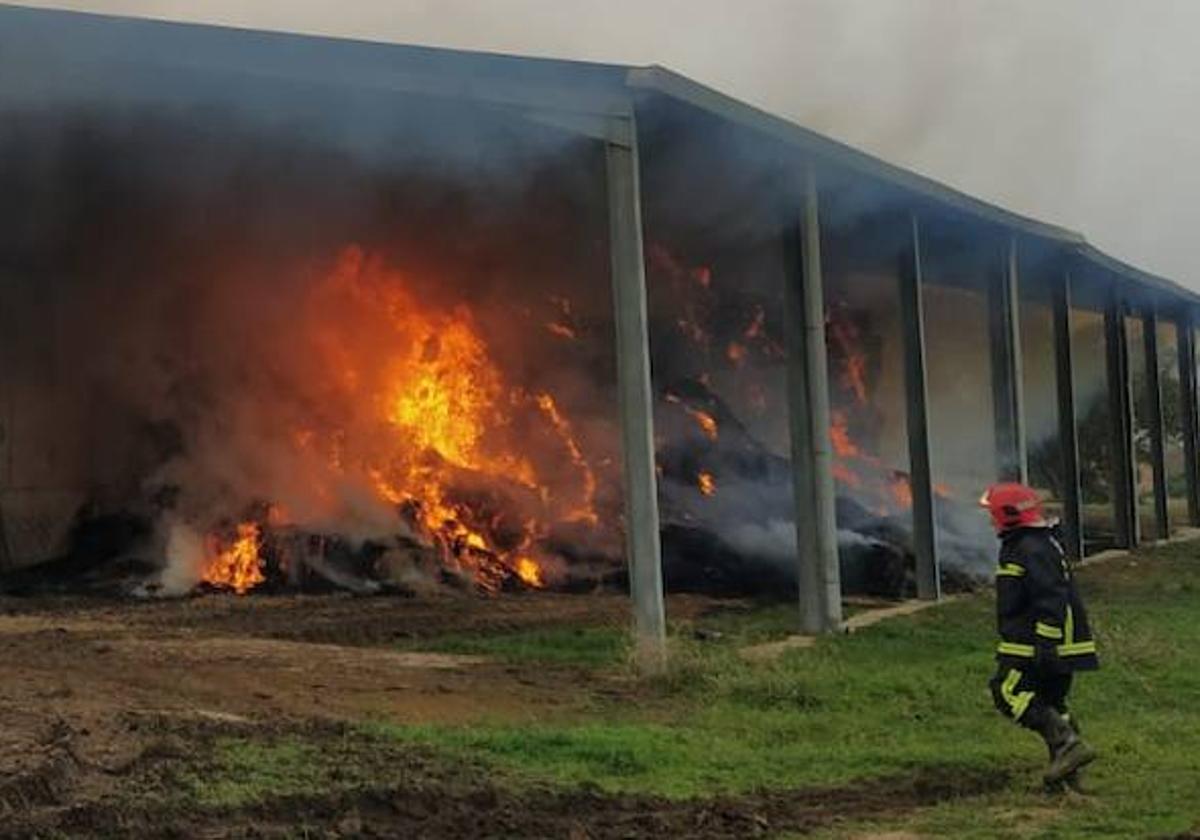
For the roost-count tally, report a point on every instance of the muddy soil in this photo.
(345, 619)
(333, 657)
(488, 812)
(106, 706)
(423, 797)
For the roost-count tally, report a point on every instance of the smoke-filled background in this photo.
(1078, 112)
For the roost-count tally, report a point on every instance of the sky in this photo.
(1082, 113)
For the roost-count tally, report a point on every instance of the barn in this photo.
(285, 311)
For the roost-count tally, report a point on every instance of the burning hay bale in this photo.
(740, 537)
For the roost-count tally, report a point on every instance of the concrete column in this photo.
(1188, 411)
(1120, 422)
(1068, 439)
(1155, 421)
(1007, 386)
(818, 571)
(636, 396)
(912, 318)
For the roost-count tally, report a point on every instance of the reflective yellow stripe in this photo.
(1014, 649)
(1069, 626)
(1010, 570)
(1048, 631)
(1077, 649)
(1018, 702)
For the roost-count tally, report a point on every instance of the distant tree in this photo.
(1095, 441)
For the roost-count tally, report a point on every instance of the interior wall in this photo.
(45, 449)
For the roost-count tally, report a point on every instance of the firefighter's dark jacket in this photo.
(1038, 606)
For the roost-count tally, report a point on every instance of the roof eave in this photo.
(668, 83)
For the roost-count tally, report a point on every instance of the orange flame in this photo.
(706, 483)
(856, 376)
(587, 512)
(236, 565)
(442, 393)
(839, 435)
(561, 330)
(706, 422)
(854, 362)
(682, 276)
(434, 428)
(529, 572)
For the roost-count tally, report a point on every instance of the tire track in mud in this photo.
(436, 801)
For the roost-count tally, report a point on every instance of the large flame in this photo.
(450, 410)
(416, 410)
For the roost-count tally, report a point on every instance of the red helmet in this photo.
(1013, 505)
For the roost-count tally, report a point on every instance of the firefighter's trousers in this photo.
(1024, 693)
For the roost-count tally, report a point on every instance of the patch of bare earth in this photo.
(423, 797)
(104, 704)
(487, 811)
(346, 619)
(269, 658)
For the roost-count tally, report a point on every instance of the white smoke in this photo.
(773, 540)
(184, 555)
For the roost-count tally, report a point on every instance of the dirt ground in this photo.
(96, 697)
(275, 658)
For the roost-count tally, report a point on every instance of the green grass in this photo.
(905, 694)
(240, 771)
(244, 772)
(861, 706)
(608, 646)
(585, 646)
(231, 772)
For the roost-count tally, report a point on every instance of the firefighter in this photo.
(1044, 633)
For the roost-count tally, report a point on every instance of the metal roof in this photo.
(122, 48)
(669, 83)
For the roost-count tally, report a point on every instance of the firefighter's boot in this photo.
(1072, 722)
(1074, 781)
(1068, 752)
